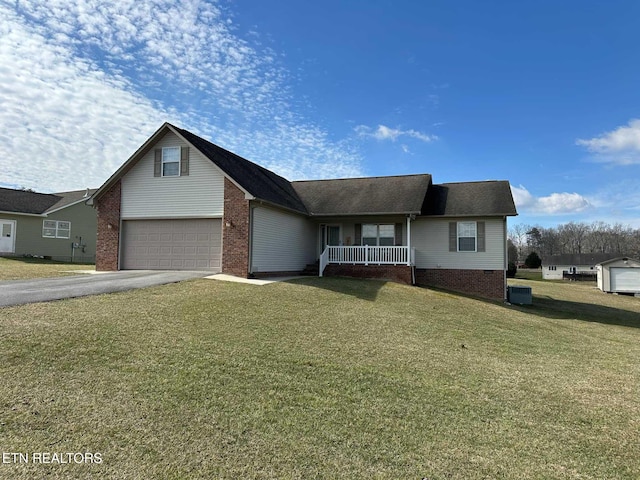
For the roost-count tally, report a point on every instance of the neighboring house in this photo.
(619, 275)
(565, 265)
(181, 202)
(59, 226)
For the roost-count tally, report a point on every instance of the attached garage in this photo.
(179, 244)
(621, 275)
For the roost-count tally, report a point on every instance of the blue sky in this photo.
(542, 94)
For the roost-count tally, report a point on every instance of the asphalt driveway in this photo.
(18, 292)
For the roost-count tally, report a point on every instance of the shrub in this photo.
(511, 270)
(533, 260)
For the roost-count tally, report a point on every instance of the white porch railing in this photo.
(365, 255)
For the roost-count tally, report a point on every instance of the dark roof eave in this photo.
(262, 201)
(471, 215)
(24, 214)
(363, 214)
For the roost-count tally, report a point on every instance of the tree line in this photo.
(573, 237)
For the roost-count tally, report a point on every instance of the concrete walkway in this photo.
(253, 281)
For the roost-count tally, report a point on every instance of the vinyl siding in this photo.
(29, 239)
(281, 241)
(430, 237)
(560, 269)
(200, 194)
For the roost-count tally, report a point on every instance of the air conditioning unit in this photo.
(519, 295)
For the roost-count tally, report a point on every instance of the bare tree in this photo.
(576, 237)
(518, 235)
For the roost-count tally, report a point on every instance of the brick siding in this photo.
(396, 273)
(235, 238)
(108, 232)
(483, 283)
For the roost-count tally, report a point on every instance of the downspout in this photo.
(250, 246)
(505, 263)
(411, 265)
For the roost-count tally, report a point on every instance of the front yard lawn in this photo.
(26, 268)
(323, 378)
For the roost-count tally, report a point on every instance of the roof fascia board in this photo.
(367, 214)
(83, 199)
(5, 212)
(617, 260)
(267, 203)
(479, 215)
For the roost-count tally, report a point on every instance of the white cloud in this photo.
(66, 123)
(554, 204)
(84, 83)
(386, 133)
(620, 146)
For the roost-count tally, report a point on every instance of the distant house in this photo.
(557, 267)
(619, 275)
(58, 226)
(182, 202)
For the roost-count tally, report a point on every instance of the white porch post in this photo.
(409, 240)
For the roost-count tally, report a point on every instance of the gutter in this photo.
(42, 215)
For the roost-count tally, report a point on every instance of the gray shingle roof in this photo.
(68, 198)
(403, 194)
(257, 180)
(576, 259)
(470, 199)
(20, 201)
(364, 196)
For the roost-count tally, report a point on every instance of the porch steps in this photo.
(312, 269)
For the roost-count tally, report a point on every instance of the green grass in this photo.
(26, 268)
(529, 273)
(324, 378)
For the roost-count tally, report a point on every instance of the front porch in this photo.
(370, 247)
(367, 256)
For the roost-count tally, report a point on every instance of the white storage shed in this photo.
(620, 275)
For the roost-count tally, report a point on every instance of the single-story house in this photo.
(566, 265)
(619, 275)
(181, 202)
(59, 226)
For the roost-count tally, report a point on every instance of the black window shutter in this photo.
(157, 164)
(358, 234)
(481, 247)
(398, 239)
(184, 161)
(453, 237)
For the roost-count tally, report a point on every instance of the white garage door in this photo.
(625, 279)
(193, 244)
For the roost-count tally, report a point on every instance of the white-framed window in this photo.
(171, 161)
(378, 234)
(467, 234)
(56, 229)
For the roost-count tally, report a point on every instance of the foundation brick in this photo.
(396, 273)
(483, 283)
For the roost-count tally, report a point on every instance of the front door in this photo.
(7, 236)
(330, 235)
(333, 235)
